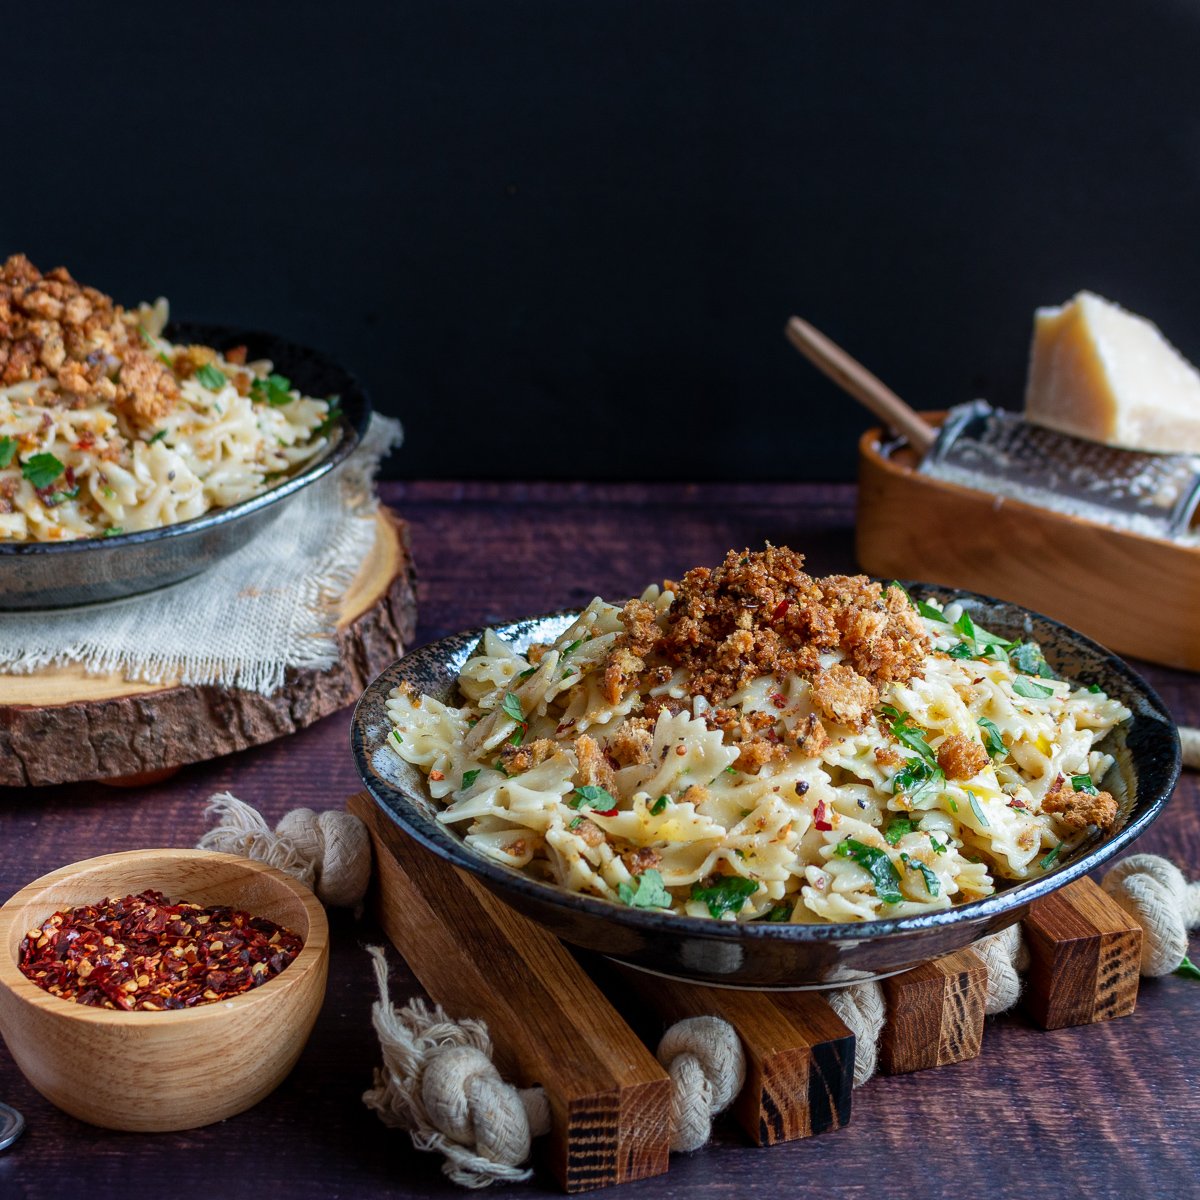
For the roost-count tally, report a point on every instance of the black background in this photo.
(559, 238)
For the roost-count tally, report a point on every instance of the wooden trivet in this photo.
(61, 725)
(551, 1023)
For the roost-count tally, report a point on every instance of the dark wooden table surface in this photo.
(1109, 1110)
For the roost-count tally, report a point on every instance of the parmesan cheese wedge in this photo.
(1101, 373)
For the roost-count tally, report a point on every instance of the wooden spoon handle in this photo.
(852, 377)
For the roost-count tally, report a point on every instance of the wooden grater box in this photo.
(1135, 594)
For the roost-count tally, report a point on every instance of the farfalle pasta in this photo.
(752, 743)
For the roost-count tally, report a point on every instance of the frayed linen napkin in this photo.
(268, 607)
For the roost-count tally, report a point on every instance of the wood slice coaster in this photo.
(610, 1101)
(62, 725)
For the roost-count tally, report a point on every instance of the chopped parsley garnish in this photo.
(526, 674)
(1083, 783)
(396, 735)
(1028, 659)
(961, 650)
(1030, 688)
(781, 912)
(332, 417)
(910, 735)
(916, 777)
(498, 765)
(511, 707)
(932, 884)
(114, 530)
(570, 649)
(469, 777)
(8, 447)
(993, 743)
(1188, 969)
(42, 470)
(1050, 857)
(938, 848)
(274, 390)
(882, 871)
(931, 613)
(659, 805)
(728, 894)
(158, 437)
(1095, 688)
(575, 823)
(590, 796)
(108, 492)
(211, 377)
(897, 828)
(977, 810)
(953, 804)
(59, 497)
(649, 893)
(981, 643)
(731, 770)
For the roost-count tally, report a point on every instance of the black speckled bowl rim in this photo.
(356, 414)
(1163, 758)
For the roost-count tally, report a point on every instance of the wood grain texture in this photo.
(934, 1014)
(62, 725)
(496, 552)
(610, 1101)
(151, 1072)
(799, 1055)
(1085, 953)
(1134, 594)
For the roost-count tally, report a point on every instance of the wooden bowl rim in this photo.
(869, 452)
(314, 951)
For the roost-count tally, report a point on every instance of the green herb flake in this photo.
(1083, 783)
(916, 777)
(274, 390)
(211, 377)
(953, 804)
(8, 447)
(1030, 688)
(469, 777)
(526, 673)
(649, 893)
(908, 734)
(575, 823)
(731, 770)
(396, 735)
(977, 810)
(965, 627)
(1049, 859)
(932, 883)
(780, 912)
(961, 650)
(1028, 659)
(880, 866)
(897, 828)
(114, 531)
(593, 797)
(332, 417)
(993, 743)
(1095, 689)
(1188, 969)
(659, 806)
(511, 707)
(727, 895)
(158, 437)
(930, 613)
(938, 848)
(58, 497)
(42, 470)
(572, 647)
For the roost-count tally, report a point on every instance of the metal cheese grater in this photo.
(1000, 452)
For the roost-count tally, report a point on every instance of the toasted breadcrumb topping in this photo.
(961, 758)
(53, 328)
(1078, 810)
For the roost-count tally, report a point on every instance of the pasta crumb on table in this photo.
(754, 743)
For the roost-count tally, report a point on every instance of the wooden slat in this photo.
(935, 1014)
(799, 1055)
(550, 1025)
(1085, 956)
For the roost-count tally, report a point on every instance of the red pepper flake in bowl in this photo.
(147, 953)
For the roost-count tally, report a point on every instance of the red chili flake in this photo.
(86, 440)
(780, 609)
(146, 953)
(436, 776)
(1017, 805)
(821, 816)
(611, 812)
(772, 736)
(779, 700)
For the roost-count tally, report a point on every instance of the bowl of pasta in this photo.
(759, 778)
(136, 451)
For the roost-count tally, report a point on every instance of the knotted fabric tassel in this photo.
(1005, 956)
(329, 851)
(707, 1065)
(439, 1083)
(1155, 894)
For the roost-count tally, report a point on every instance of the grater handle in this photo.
(852, 377)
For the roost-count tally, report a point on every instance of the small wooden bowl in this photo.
(157, 1071)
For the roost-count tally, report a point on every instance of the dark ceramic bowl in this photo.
(43, 575)
(763, 955)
